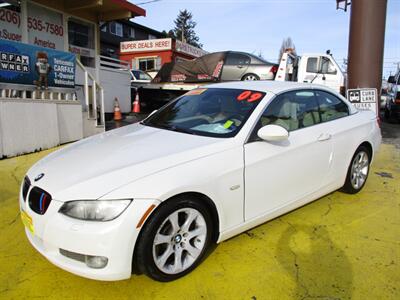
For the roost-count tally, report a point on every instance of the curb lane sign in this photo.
(363, 98)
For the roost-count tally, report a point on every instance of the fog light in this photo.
(96, 262)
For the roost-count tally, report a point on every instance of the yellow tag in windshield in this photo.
(228, 124)
(195, 92)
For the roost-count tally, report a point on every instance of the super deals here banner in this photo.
(32, 65)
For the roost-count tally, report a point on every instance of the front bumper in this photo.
(113, 239)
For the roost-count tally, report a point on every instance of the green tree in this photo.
(184, 29)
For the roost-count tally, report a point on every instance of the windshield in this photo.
(207, 112)
(140, 75)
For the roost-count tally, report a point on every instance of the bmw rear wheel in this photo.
(357, 173)
(174, 240)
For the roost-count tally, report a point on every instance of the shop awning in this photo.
(106, 10)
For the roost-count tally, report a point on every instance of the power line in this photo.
(147, 2)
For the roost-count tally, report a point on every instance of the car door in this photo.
(335, 113)
(235, 66)
(279, 173)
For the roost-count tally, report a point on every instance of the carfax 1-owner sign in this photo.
(31, 65)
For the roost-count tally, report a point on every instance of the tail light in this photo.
(274, 69)
(379, 122)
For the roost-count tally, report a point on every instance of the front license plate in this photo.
(27, 221)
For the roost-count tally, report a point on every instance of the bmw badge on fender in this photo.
(153, 196)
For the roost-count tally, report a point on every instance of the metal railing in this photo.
(113, 63)
(95, 106)
(22, 91)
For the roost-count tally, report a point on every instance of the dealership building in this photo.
(53, 80)
(150, 55)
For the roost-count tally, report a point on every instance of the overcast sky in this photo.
(260, 25)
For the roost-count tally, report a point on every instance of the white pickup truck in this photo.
(311, 68)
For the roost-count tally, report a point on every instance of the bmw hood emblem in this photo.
(40, 176)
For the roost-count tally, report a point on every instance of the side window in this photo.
(331, 107)
(327, 67)
(292, 110)
(236, 59)
(312, 65)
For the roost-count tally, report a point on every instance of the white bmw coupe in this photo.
(151, 197)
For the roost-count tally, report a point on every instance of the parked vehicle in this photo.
(314, 68)
(392, 109)
(209, 165)
(139, 76)
(246, 66)
(385, 97)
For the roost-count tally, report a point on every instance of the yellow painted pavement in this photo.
(338, 247)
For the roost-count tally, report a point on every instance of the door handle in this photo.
(324, 137)
(240, 66)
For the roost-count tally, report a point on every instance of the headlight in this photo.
(94, 210)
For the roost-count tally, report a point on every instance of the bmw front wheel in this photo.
(174, 240)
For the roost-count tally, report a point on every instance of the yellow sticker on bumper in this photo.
(27, 221)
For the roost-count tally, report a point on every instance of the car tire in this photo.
(358, 171)
(170, 245)
(250, 77)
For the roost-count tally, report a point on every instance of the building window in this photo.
(116, 28)
(132, 32)
(147, 64)
(152, 37)
(81, 41)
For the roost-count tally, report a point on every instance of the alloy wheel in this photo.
(250, 78)
(179, 241)
(359, 169)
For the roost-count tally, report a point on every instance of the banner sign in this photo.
(363, 98)
(189, 49)
(146, 45)
(31, 65)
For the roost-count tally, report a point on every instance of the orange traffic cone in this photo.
(117, 111)
(136, 104)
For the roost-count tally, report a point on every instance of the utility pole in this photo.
(366, 43)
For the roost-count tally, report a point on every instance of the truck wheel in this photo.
(174, 240)
(250, 77)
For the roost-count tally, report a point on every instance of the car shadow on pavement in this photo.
(318, 267)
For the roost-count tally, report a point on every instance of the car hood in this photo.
(95, 166)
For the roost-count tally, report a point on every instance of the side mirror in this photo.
(391, 79)
(273, 133)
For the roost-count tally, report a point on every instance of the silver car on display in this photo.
(245, 66)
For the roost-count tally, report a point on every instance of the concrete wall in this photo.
(31, 125)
